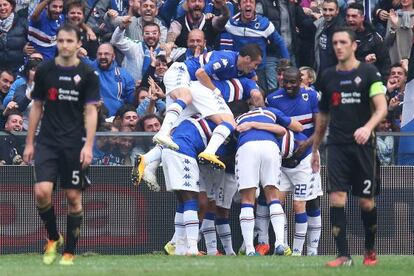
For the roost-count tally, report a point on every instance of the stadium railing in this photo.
(122, 219)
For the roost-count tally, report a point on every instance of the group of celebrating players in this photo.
(219, 135)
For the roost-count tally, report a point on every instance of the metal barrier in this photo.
(122, 219)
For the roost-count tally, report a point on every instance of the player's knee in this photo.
(299, 206)
(366, 204)
(43, 196)
(222, 212)
(313, 204)
(74, 200)
(337, 199)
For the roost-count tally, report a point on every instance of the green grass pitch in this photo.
(116, 265)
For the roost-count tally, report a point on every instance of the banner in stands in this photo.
(122, 219)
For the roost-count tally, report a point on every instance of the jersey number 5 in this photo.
(75, 177)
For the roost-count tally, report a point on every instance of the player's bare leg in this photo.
(43, 194)
(181, 97)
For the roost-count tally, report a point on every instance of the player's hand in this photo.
(86, 156)
(361, 135)
(244, 126)
(315, 162)
(302, 146)
(370, 58)
(28, 153)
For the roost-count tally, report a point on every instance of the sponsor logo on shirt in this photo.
(52, 94)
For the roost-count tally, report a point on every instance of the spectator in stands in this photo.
(156, 70)
(104, 148)
(287, 17)
(196, 19)
(371, 48)
(75, 14)
(21, 78)
(150, 123)
(247, 27)
(308, 77)
(13, 36)
(125, 147)
(126, 116)
(11, 148)
(137, 53)
(385, 144)
(381, 14)
(6, 80)
(324, 54)
(116, 84)
(154, 102)
(395, 92)
(44, 22)
(399, 36)
(22, 95)
(95, 11)
(148, 11)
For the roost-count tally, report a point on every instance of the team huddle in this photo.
(219, 136)
(209, 102)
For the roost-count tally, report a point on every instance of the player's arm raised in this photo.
(36, 112)
(91, 118)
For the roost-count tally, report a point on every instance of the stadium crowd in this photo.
(134, 44)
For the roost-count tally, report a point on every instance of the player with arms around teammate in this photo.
(353, 102)
(65, 96)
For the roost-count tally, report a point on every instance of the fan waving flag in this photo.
(406, 145)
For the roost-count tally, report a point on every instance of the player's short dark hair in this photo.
(293, 71)
(356, 6)
(252, 50)
(345, 29)
(332, 1)
(152, 24)
(238, 107)
(69, 4)
(68, 27)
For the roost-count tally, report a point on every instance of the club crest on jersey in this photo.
(257, 25)
(77, 79)
(357, 80)
(305, 97)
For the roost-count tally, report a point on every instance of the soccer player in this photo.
(65, 95)
(181, 174)
(221, 65)
(258, 161)
(297, 176)
(353, 102)
(231, 90)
